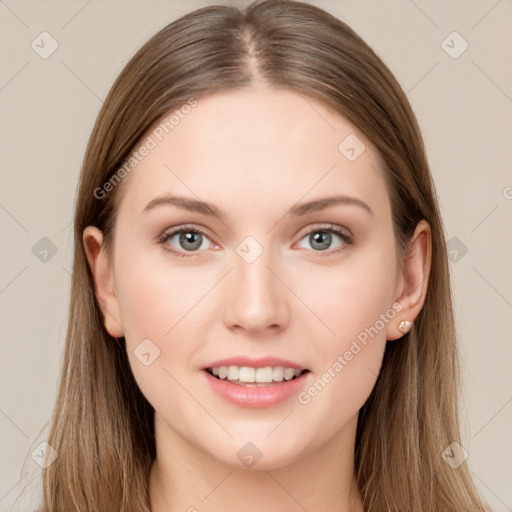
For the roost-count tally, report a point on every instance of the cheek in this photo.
(159, 314)
(355, 302)
(157, 297)
(354, 296)
(145, 301)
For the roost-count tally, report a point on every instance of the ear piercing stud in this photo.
(405, 326)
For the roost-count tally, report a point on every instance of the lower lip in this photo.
(255, 396)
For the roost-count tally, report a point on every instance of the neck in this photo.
(184, 478)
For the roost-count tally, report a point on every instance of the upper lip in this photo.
(255, 362)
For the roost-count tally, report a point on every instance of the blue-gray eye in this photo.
(187, 240)
(321, 239)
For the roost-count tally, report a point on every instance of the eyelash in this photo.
(327, 228)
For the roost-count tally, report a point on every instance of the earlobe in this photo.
(414, 281)
(101, 270)
(405, 326)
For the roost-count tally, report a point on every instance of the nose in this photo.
(256, 300)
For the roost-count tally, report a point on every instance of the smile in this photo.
(246, 375)
(249, 387)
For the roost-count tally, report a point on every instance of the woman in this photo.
(260, 314)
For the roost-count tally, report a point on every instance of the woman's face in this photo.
(262, 284)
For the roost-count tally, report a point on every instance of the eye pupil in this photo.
(322, 238)
(188, 237)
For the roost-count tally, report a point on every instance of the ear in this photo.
(413, 281)
(103, 276)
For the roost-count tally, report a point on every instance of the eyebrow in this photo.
(205, 208)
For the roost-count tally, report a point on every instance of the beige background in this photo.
(464, 106)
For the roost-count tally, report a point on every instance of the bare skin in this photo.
(254, 154)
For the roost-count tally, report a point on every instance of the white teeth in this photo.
(278, 373)
(263, 374)
(244, 374)
(233, 373)
(249, 374)
(289, 373)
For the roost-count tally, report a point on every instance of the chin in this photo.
(258, 455)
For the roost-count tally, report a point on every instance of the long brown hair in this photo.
(102, 426)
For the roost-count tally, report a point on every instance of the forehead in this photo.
(255, 146)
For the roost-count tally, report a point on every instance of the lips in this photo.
(255, 382)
